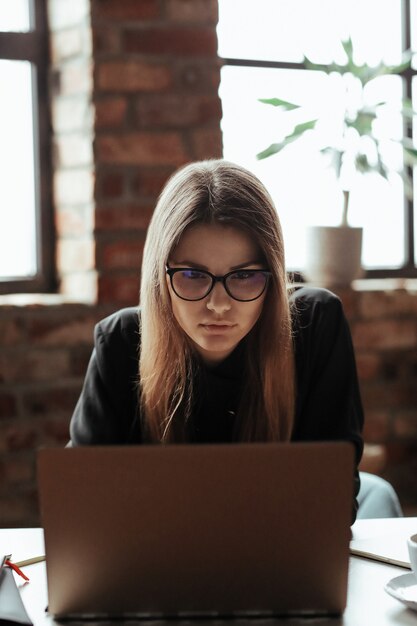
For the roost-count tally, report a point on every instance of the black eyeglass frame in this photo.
(216, 279)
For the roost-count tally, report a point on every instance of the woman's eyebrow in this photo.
(188, 263)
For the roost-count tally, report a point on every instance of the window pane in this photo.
(413, 16)
(15, 15)
(414, 96)
(17, 181)
(285, 30)
(299, 178)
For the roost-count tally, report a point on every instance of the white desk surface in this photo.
(368, 604)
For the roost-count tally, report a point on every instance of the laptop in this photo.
(197, 530)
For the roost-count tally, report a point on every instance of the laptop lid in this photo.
(197, 529)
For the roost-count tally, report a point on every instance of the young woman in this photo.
(221, 350)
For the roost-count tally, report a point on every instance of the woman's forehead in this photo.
(216, 243)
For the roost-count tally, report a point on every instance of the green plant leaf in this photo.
(327, 69)
(277, 102)
(381, 168)
(408, 186)
(336, 158)
(410, 156)
(362, 164)
(363, 122)
(348, 48)
(298, 130)
(407, 109)
(404, 65)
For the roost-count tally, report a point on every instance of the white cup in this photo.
(412, 551)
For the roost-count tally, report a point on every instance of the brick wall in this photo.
(156, 76)
(134, 95)
(384, 331)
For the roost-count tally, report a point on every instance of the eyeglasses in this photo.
(242, 285)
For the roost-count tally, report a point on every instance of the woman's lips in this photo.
(218, 328)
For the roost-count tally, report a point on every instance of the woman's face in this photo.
(216, 323)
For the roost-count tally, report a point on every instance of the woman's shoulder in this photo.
(121, 325)
(312, 296)
(313, 304)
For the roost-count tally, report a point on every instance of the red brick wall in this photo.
(134, 95)
(156, 76)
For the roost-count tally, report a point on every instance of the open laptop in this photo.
(190, 530)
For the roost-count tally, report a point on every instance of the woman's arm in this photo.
(328, 405)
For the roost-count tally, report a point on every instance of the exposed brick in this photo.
(395, 394)
(350, 302)
(63, 331)
(377, 427)
(207, 143)
(80, 358)
(8, 406)
(379, 304)
(74, 186)
(72, 114)
(405, 424)
(80, 285)
(177, 111)
(17, 507)
(110, 113)
(34, 365)
(133, 76)
(198, 77)
(66, 14)
(69, 43)
(142, 148)
(106, 41)
(74, 255)
(385, 334)
(123, 218)
(195, 42)
(19, 470)
(112, 185)
(150, 181)
(127, 9)
(368, 366)
(56, 431)
(120, 289)
(121, 254)
(73, 150)
(193, 11)
(75, 221)
(20, 437)
(55, 400)
(75, 78)
(11, 331)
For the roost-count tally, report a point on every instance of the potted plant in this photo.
(334, 253)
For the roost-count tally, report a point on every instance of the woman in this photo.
(225, 351)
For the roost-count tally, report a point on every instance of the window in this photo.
(26, 246)
(263, 45)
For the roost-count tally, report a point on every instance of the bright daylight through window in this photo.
(18, 188)
(264, 45)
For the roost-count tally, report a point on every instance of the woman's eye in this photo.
(194, 274)
(241, 275)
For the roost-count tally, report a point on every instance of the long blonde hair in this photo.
(214, 191)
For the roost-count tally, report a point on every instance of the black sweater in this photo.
(328, 404)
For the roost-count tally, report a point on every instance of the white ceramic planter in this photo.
(333, 256)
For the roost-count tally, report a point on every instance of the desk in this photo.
(368, 604)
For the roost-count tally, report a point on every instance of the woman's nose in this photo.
(218, 299)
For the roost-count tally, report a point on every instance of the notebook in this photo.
(196, 530)
(390, 549)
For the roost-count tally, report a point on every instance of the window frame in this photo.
(33, 46)
(409, 268)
